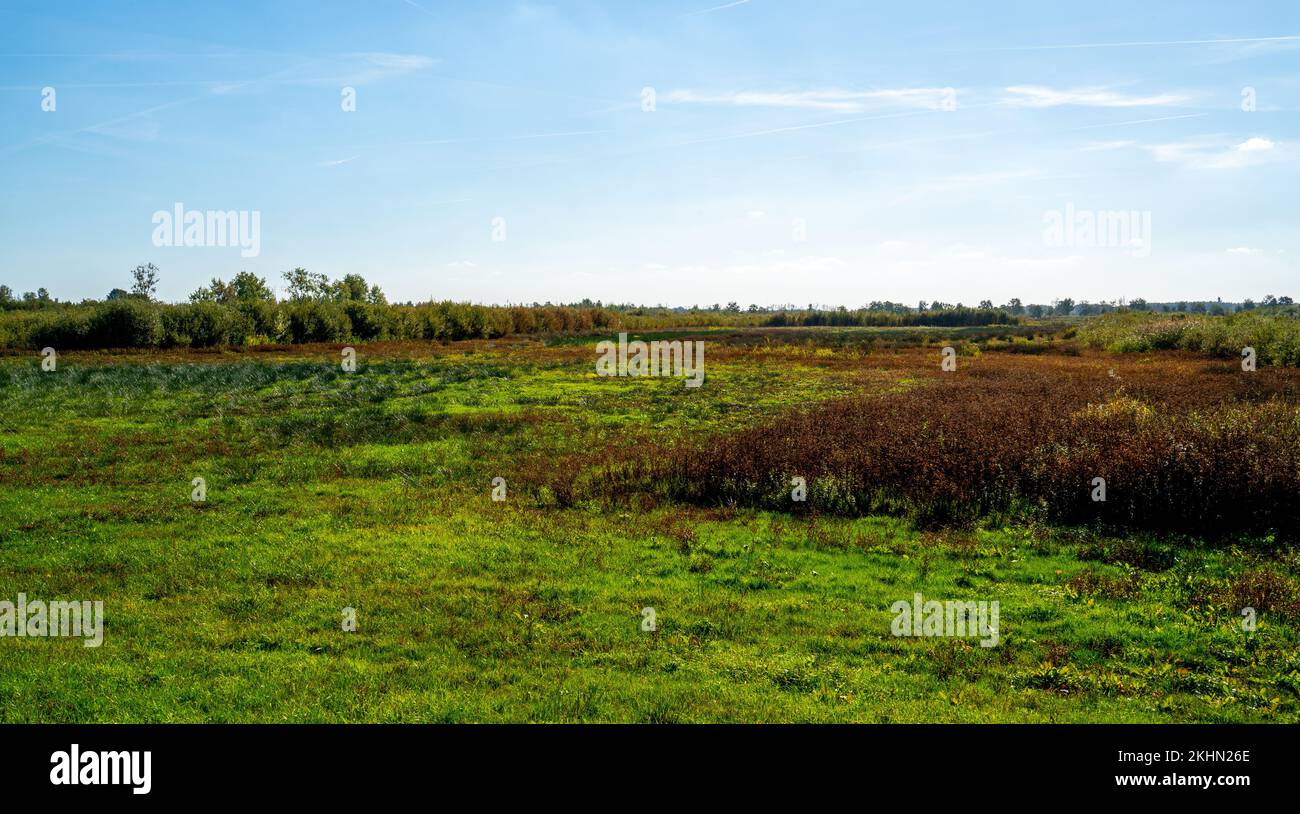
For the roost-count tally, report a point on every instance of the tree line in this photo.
(313, 308)
(246, 311)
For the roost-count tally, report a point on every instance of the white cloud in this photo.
(1243, 250)
(835, 99)
(1217, 153)
(1099, 146)
(1137, 44)
(1256, 144)
(1043, 96)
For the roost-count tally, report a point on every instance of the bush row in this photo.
(135, 323)
(1275, 336)
(866, 317)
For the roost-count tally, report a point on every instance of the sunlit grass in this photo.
(372, 490)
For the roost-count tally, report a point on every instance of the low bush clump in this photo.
(1212, 457)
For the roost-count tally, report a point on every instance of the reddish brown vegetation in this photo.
(1181, 445)
(1265, 591)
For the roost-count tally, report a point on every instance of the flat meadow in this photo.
(373, 490)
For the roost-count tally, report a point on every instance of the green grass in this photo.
(1273, 333)
(373, 491)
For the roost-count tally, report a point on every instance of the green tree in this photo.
(352, 288)
(306, 285)
(219, 291)
(251, 288)
(145, 281)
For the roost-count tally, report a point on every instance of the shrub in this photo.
(261, 318)
(60, 329)
(1274, 336)
(129, 321)
(123, 323)
(317, 321)
(368, 321)
(204, 325)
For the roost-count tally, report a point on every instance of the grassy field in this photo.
(372, 490)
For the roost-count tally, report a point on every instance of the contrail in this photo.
(1145, 43)
(716, 8)
(415, 5)
(92, 128)
(555, 135)
(1137, 121)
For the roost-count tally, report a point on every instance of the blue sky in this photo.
(829, 152)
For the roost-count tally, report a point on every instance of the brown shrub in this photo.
(1265, 591)
(1095, 583)
(1180, 449)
